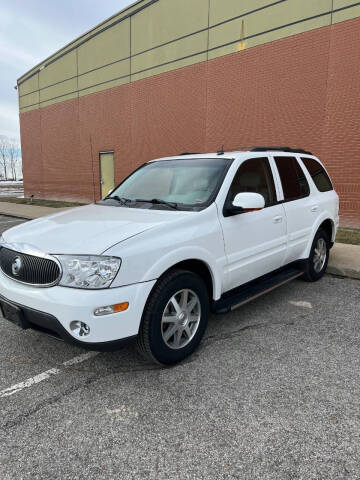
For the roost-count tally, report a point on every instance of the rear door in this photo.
(297, 204)
(324, 199)
(255, 242)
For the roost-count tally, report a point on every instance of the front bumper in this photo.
(53, 309)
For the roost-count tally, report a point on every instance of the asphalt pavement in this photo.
(272, 393)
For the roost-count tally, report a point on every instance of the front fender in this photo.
(215, 266)
(195, 237)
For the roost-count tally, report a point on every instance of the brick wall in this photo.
(301, 91)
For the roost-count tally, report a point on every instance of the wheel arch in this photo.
(200, 268)
(329, 226)
(326, 223)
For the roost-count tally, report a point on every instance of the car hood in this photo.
(88, 230)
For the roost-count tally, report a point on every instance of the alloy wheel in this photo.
(320, 254)
(181, 319)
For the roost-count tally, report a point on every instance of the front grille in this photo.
(28, 268)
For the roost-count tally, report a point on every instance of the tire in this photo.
(318, 259)
(170, 332)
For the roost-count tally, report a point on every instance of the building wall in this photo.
(300, 90)
(156, 36)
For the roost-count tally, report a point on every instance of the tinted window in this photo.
(318, 174)
(292, 177)
(254, 175)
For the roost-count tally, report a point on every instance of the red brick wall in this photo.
(301, 91)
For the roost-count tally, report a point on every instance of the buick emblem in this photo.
(16, 266)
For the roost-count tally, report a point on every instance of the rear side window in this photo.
(292, 177)
(318, 174)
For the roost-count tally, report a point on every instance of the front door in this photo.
(107, 178)
(255, 242)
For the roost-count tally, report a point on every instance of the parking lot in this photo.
(272, 393)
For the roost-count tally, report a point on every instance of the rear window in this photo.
(292, 177)
(318, 174)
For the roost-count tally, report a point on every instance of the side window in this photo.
(292, 177)
(254, 175)
(318, 174)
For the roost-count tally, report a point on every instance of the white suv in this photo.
(179, 237)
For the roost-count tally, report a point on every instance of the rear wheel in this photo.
(319, 256)
(175, 318)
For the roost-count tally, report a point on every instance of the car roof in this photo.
(235, 154)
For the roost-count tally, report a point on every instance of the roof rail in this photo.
(281, 149)
(189, 153)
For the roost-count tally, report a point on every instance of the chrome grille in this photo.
(29, 269)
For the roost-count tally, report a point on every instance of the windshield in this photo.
(192, 182)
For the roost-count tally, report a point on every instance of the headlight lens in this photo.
(88, 271)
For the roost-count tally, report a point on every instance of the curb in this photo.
(345, 261)
(28, 212)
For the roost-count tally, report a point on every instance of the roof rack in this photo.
(189, 153)
(281, 149)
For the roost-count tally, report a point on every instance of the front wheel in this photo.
(175, 318)
(319, 256)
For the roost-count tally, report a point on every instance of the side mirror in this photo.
(246, 202)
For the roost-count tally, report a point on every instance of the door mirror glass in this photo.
(248, 201)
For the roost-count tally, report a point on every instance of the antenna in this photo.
(221, 151)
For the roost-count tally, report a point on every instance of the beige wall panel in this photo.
(91, 32)
(29, 86)
(64, 88)
(168, 68)
(167, 20)
(111, 20)
(60, 70)
(182, 48)
(105, 86)
(104, 74)
(28, 109)
(58, 100)
(263, 20)
(343, 3)
(347, 14)
(31, 99)
(221, 10)
(272, 36)
(107, 47)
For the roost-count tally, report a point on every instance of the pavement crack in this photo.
(235, 333)
(20, 419)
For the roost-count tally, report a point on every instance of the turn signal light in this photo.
(109, 309)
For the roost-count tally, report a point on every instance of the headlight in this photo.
(88, 271)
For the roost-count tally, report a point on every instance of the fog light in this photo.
(80, 329)
(109, 309)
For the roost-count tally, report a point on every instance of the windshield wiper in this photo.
(122, 200)
(158, 201)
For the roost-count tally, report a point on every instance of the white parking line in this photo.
(301, 304)
(46, 375)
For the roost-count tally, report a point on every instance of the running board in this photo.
(255, 289)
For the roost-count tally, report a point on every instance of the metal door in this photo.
(107, 178)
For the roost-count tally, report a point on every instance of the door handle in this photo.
(314, 208)
(277, 219)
